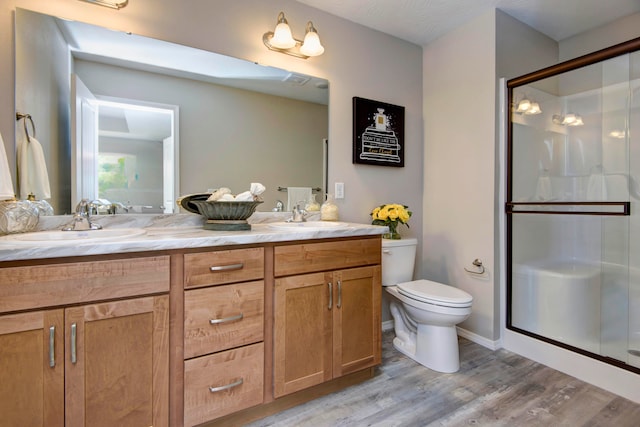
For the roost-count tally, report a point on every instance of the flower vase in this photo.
(393, 232)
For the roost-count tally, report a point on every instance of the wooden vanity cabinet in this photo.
(31, 369)
(223, 333)
(327, 324)
(85, 364)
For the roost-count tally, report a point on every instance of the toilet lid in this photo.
(435, 293)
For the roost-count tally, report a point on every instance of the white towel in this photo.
(596, 187)
(297, 196)
(7, 191)
(543, 188)
(32, 170)
(618, 188)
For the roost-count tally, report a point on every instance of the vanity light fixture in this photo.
(113, 4)
(618, 134)
(281, 40)
(528, 107)
(569, 119)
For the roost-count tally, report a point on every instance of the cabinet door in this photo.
(302, 332)
(117, 363)
(32, 369)
(357, 325)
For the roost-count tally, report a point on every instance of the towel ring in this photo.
(26, 117)
(478, 264)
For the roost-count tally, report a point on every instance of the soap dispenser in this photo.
(312, 205)
(329, 210)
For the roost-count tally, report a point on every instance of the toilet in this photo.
(425, 313)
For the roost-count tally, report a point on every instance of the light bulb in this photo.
(569, 119)
(534, 108)
(311, 45)
(523, 105)
(282, 37)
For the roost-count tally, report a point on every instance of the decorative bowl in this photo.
(229, 211)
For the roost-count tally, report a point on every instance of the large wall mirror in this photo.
(141, 121)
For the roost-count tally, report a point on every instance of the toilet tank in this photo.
(398, 260)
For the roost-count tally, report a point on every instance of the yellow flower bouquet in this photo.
(391, 215)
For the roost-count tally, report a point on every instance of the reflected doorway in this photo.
(136, 155)
(127, 151)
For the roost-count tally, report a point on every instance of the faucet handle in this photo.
(83, 206)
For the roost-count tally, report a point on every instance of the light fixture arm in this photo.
(108, 3)
(293, 51)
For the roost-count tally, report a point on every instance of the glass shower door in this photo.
(572, 260)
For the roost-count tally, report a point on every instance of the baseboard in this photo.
(479, 339)
(387, 325)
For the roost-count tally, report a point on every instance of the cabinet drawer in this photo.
(223, 317)
(323, 256)
(223, 383)
(38, 286)
(220, 267)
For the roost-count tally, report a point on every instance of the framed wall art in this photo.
(378, 133)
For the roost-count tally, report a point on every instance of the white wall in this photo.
(619, 31)
(459, 94)
(462, 175)
(46, 102)
(357, 62)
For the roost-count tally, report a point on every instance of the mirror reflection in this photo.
(162, 120)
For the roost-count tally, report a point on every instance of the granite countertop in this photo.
(177, 231)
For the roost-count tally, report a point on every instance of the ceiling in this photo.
(423, 21)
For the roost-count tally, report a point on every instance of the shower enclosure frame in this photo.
(512, 208)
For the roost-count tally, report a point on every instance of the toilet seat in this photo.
(435, 293)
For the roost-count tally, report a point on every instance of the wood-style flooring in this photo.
(492, 388)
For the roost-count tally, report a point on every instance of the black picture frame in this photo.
(378, 133)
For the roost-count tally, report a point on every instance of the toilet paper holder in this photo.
(477, 263)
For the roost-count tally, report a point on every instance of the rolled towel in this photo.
(226, 198)
(257, 188)
(244, 197)
(217, 195)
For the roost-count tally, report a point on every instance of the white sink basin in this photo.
(66, 237)
(308, 226)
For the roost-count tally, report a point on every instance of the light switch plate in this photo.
(339, 190)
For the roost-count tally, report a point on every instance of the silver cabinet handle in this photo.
(52, 346)
(339, 304)
(226, 387)
(229, 267)
(330, 295)
(74, 356)
(226, 319)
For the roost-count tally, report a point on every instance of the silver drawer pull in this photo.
(339, 304)
(52, 346)
(330, 295)
(74, 356)
(226, 387)
(226, 319)
(229, 267)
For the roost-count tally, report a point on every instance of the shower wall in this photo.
(574, 171)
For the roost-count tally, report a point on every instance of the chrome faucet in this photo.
(279, 206)
(299, 214)
(82, 218)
